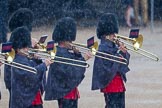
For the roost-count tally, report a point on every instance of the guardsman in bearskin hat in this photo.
(25, 85)
(63, 79)
(21, 17)
(108, 75)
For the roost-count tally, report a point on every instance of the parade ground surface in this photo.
(144, 81)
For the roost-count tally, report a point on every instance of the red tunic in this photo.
(74, 94)
(38, 99)
(116, 85)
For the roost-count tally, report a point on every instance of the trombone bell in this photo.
(94, 48)
(52, 55)
(10, 55)
(137, 44)
(9, 59)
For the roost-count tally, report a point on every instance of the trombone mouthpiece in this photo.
(87, 66)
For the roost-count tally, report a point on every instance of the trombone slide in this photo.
(52, 55)
(19, 66)
(9, 61)
(94, 49)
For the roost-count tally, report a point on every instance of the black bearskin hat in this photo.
(20, 38)
(65, 30)
(107, 24)
(21, 17)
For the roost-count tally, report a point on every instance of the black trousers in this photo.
(0, 95)
(9, 97)
(115, 100)
(67, 103)
(36, 106)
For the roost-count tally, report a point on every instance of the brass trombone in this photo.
(94, 49)
(9, 61)
(52, 55)
(136, 47)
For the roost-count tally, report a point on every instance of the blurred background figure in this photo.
(129, 12)
(141, 8)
